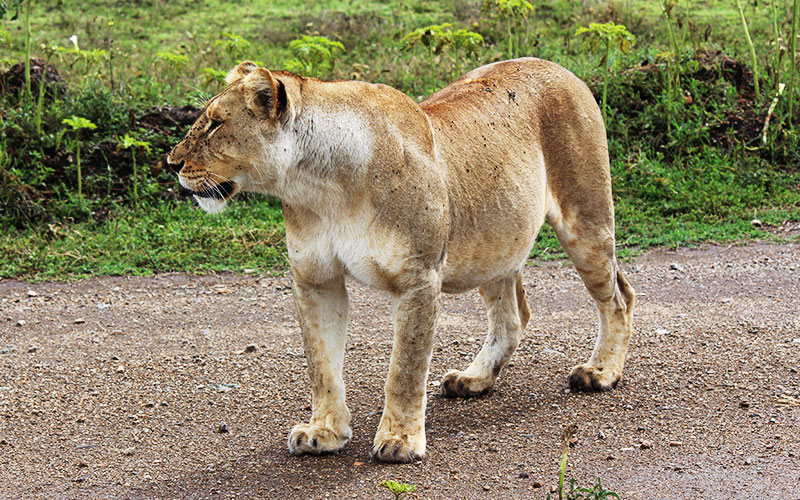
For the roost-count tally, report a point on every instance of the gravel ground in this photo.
(178, 386)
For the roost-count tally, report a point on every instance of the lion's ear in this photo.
(264, 95)
(243, 69)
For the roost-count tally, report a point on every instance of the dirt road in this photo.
(123, 387)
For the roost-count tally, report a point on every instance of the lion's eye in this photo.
(214, 126)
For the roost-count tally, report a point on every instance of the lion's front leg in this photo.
(401, 433)
(322, 309)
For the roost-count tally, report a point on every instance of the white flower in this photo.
(74, 40)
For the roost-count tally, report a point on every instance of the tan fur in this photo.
(416, 199)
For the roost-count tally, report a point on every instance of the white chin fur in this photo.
(211, 205)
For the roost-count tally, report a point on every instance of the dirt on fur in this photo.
(178, 386)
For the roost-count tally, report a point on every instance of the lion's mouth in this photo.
(221, 191)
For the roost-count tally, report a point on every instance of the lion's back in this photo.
(517, 89)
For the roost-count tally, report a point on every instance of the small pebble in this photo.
(537, 484)
(223, 428)
(645, 445)
(21, 322)
(128, 451)
(79, 321)
(31, 293)
(33, 349)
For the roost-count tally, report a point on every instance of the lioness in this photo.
(418, 199)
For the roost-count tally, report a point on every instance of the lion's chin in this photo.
(211, 205)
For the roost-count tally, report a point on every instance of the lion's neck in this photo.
(334, 146)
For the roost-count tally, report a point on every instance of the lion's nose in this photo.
(175, 167)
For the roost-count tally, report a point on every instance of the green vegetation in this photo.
(398, 489)
(596, 492)
(128, 142)
(792, 58)
(753, 57)
(513, 12)
(696, 155)
(468, 41)
(171, 236)
(77, 124)
(610, 35)
(312, 53)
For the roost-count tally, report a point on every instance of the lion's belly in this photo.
(494, 226)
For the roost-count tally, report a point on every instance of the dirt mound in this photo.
(170, 116)
(13, 80)
(640, 96)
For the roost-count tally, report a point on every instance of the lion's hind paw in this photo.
(584, 378)
(456, 384)
(306, 439)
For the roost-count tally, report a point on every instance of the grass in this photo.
(687, 161)
(142, 241)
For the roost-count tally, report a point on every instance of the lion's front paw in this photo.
(398, 449)
(585, 378)
(311, 439)
(456, 384)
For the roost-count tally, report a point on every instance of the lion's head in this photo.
(239, 142)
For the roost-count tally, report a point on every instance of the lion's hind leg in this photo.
(588, 239)
(508, 313)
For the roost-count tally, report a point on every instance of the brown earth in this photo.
(115, 388)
